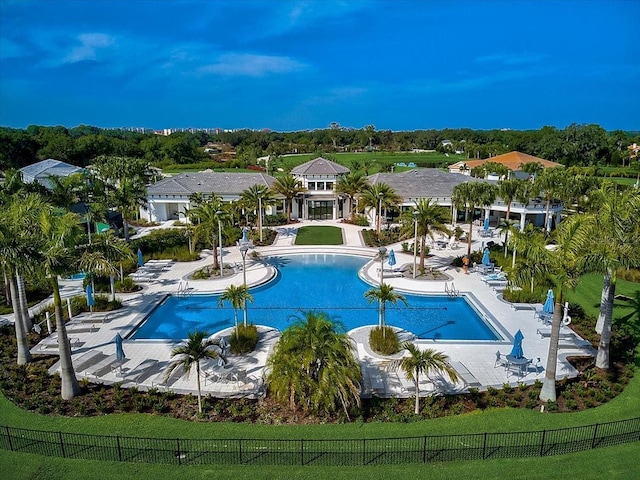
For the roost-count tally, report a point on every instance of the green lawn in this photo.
(587, 294)
(319, 235)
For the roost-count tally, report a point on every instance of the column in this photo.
(523, 216)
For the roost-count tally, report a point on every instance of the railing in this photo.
(365, 451)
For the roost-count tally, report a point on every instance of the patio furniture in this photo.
(500, 360)
(517, 365)
(464, 373)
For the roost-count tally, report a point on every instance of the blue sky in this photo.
(294, 65)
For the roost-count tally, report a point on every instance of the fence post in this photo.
(484, 447)
(64, 455)
(239, 451)
(364, 451)
(119, 449)
(544, 434)
(595, 434)
(424, 449)
(178, 451)
(9, 438)
(302, 451)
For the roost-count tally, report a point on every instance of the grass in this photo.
(319, 235)
(587, 294)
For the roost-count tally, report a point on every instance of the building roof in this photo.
(221, 183)
(319, 166)
(50, 167)
(422, 182)
(512, 160)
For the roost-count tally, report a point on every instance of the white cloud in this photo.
(90, 43)
(249, 65)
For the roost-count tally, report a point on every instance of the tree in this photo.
(210, 217)
(313, 367)
(289, 187)
(257, 198)
(352, 185)
(508, 190)
(380, 196)
(197, 348)
(471, 195)
(382, 294)
(551, 183)
(431, 218)
(237, 296)
(615, 245)
(422, 362)
(58, 252)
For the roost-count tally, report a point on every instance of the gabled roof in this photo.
(50, 167)
(221, 183)
(319, 166)
(512, 160)
(423, 182)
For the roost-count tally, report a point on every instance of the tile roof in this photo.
(221, 183)
(512, 160)
(48, 168)
(319, 166)
(423, 182)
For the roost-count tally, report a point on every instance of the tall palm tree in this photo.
(237, 296)
(615, 245)
(210, 216)
(382, 294)
(422, 362)
(59, 235)
(551, 183)
(531, 248)
(508, 191)
(195, 349)
(352, 185)
(313, 367)
(470, 195)
(288, 186)
(562, 266)
(255, 197)
(380, 196)
(431, 218)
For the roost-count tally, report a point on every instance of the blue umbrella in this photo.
(119, 350)
(485, 257)
(90, 300)
(140, 258)
(392, 258)
(516, 351)
(548, 303)
(486, 223)
(245, 239)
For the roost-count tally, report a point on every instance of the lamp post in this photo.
(218, 213)
(381, 251)
(260, 217)
(415, 241)
(244, 246)
(380, 195)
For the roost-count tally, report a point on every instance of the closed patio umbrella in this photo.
(392, 258)
(516, 351)
(90, 300)
(119, 349)
(486, 223)
(485, 257)
(548, 303)
(140, 258)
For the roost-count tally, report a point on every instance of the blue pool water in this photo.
(321, 282)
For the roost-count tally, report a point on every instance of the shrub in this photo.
(359, 220)
(279, 219)
(384, 340)
(244, 340)
(523, 296)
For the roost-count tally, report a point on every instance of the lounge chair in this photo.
(464, 373)
(87, 360)
(141, 372)
(501, 361)
(546, 332)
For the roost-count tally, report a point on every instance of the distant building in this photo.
(512, 160)
(41, 172)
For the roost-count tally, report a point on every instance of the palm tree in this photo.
(257, 198)
(531, 245)
(237, 296)
(352, 185)
(383, 294)
(313, 367)
(551, 183)
(470, 195)
(196, 348)
(532, 169)
(508, 190)
(562, 266)
(210, 216)
(59, 235)
(422, 362)
(616, 230)
(288, 186)
(431, 218)
(380, 196)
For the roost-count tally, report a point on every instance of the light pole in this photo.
(381, 251)
(380, 195)
(218, 213)
(244, 246)
(415, 240)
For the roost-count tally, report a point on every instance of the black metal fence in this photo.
(365, 451)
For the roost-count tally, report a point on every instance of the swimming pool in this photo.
(324, 282)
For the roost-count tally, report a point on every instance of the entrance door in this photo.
(320, 209)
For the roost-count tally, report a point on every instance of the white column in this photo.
(523, 216)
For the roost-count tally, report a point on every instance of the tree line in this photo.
(575, 145)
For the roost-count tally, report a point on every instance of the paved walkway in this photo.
(93, 348)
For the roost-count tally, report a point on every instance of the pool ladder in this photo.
(451, 291)
(184, 289)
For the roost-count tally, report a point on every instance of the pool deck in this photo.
(147, 359)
